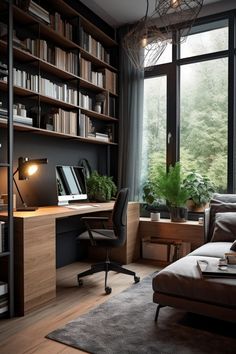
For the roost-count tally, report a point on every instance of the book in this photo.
(3, 288)
(213, 270)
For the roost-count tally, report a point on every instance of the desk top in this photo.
(62, 211)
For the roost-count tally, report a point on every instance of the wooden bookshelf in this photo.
(39, 32)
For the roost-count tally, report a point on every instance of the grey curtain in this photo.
(131, 83)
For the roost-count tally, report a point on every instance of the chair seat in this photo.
(98, 234)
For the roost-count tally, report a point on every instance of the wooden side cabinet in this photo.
(190, 231)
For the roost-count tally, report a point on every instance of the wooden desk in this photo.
(35, 250)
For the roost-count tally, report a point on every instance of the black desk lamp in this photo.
(26, 168)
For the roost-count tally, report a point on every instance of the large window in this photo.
(203, 119)
(196, 125)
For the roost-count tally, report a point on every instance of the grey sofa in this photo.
(181, 285)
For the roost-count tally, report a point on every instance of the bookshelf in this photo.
(6, 172)
(63, 73)
(41, 93)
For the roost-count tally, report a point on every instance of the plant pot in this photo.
(178, 214)
(196, 208)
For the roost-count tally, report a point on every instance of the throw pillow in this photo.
(219, 207)
(225, 227)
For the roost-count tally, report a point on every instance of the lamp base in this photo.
(26, 209)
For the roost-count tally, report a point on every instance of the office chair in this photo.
(108, 238)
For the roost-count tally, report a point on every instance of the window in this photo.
(204, 39)
(197, 116)
(154, 128)
(203, 119)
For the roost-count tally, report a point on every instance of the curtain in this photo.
(131, 83)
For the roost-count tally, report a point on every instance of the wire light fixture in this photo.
(144, 43)
(178, 15)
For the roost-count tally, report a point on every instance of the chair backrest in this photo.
(119, 215)
(217, 199)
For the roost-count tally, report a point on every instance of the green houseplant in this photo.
(171, 188)
(100, 188)
(200, 190)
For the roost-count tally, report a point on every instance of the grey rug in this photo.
(125, 325)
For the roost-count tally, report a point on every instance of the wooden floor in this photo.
(26, 335)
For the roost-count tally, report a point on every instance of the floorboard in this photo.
(26, 335)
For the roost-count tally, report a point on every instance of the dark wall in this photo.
(40, 189)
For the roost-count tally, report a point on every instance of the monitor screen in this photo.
(71, 184)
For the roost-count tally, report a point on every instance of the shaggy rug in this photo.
(125, 325)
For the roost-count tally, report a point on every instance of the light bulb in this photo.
(175, 3)
(144, 42)
(32, 169)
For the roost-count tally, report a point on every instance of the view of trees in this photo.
(203, 116)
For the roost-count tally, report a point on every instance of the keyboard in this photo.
(80, 206)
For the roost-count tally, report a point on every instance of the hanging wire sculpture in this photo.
(178, 16)
(145, 42)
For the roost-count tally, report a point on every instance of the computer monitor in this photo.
(71, 184)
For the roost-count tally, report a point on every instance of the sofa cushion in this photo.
(218, 207)
(225, 227)
(183, 279)
(212, 249)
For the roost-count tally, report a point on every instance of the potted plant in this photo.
(171, 188)
(100, 188)
(200, 189)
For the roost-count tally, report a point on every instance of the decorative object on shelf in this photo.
(144, 43)
(100, 103)
(100, 188)
(155, 216)
(200, 189)
(178, 15)
(26, 168)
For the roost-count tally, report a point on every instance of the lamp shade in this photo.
(27, 167)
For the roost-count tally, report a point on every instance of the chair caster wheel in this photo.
(136, 279)
(80, 282)
(108, 290)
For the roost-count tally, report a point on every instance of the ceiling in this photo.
(120, 12)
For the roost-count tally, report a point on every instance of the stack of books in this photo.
(3, 298)
(39, 12)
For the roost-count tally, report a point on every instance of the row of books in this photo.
(61, 26)
(93, 46)
(85, 101)
(65, 122)
(60, 92)
(54, 55)
(110, 81)
(26, 80)
(87, 130)
(3, 237)
(87, 73)
(3, 298)
(54, 20)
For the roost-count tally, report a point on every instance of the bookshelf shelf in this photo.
(30, 129)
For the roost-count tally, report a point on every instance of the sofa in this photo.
(181, 284)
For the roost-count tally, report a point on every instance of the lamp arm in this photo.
(21, 198)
